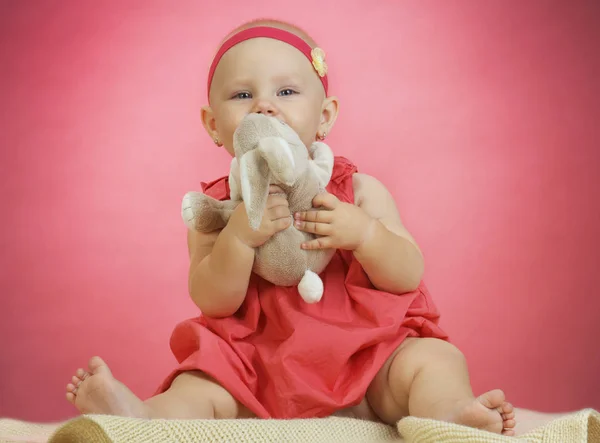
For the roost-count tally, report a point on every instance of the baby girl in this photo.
(371, 348)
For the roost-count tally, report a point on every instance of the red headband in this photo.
(316, 56)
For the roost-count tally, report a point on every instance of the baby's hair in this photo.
(274, 24)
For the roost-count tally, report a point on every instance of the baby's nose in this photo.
(265, 107)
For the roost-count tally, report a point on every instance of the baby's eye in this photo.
(242, 95)
(286, 92)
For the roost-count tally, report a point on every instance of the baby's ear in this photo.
(209, 123)
(329, 112)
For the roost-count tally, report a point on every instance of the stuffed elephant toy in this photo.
(269, 152)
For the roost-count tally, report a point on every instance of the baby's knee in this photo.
(440, 346)
(204, 397)
(428, 349)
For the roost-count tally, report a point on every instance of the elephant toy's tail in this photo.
(311, 287)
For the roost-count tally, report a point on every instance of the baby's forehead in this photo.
(268, 52)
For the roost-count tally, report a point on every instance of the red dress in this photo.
(284, 358)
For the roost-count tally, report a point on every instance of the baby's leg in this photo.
(427, 377)
(191, 395)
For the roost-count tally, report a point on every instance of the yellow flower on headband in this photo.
(318, 61)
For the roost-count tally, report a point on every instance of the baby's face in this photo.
(271, 77)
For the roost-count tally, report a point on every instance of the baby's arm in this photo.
(221, 262)
(390, 256)
(220, 267)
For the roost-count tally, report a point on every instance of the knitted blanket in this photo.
(578, 427)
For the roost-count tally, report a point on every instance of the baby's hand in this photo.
(276, 217)
(339, 225)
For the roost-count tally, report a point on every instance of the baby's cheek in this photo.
(308, 139)
(302, 128)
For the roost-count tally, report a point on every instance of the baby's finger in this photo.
(281, 224)
(318, 243)
(313, 228)
(325, 200)
(279, 212)
(315, 216)
(274, 189)
(276, 200)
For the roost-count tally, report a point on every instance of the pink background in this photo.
(487, 111)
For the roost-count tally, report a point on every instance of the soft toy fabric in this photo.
(269, 152)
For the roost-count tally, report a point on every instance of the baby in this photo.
(371, 348)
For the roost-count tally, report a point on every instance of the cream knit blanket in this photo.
(579, 427)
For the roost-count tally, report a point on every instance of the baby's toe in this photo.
(509, 416)
(507, 408)
(509, 424)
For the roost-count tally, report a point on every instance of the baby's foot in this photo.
(490, 412)
(97, 392)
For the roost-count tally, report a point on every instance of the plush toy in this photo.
(269, 152)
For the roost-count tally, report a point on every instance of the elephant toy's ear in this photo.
(280, 159)
(322, 162)
(235, 193)
(255, 181)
